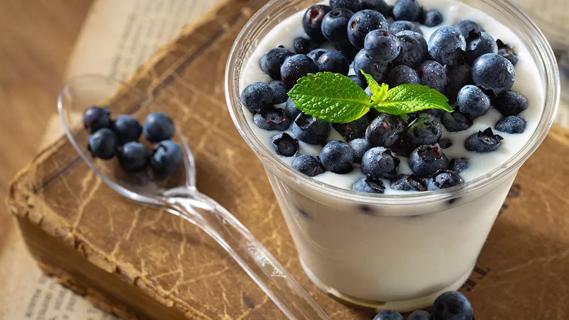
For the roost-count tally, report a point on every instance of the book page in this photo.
(116, 38)
(119, 36)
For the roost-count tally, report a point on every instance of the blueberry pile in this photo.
(450, 305)
(474, 70)
(119, 137)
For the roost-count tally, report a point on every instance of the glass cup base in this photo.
(401, 305)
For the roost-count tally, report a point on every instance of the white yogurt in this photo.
(398, 256)
(480, 163)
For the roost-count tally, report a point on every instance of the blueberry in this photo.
(447, 45)
(367, 185)
(285, 145)
(310, 130)
(388, 315)
(442, 180)
(272, 61)
(458, 76)
(333, 61)
(352, 130)
(352, 5)
(445, 143)
(312, 21)
(402, 74)
(408, 183)
(432, 18)
(510, 103)
(382, 45)
(347, 50)
(133, 156)
(467, 26)
(384, 131)
(459, 164)
(359, 81)
(379, 163)
(401, 148)
(360, 146)
(316, 53)
(256, 96)
(364, 62)
(403, 25)
(493, 72)
(158, 126)
(433, 74)
(337, 156)
(335, 25)
(279, 92)
(427, 159)
(452, 305)
(166, 158)
(472, 101)
(455, 121)
(307, 165)
(361, 23)
(479, 43)
(419, 315)
(127, 129)
(507, 52)
(95, 118)
(271, 119)
(103, 144)
(301, 46)
(406, 10)
(483, 141)
(511, 124)
(296, 67)
(426, 129)
(290, 109)
(413, 48)
(378, 5)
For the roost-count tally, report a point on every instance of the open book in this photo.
(116, 38)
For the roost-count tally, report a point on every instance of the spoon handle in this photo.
(249, 253)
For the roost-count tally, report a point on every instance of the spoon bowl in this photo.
(177, 194)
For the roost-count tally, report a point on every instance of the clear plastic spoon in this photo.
(179, 195)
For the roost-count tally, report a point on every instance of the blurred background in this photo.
(44, 42)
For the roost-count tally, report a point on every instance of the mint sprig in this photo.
(335, 98)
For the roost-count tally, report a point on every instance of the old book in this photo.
(141, 263)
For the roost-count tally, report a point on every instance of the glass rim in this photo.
(547, 66)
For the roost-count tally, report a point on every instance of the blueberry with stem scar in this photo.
(312, 21)
(367, 185)
(310, 130)
(427, 159)
(166, 158)
(483, 141)
(285, 145)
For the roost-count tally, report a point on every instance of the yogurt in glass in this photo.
(398, 250)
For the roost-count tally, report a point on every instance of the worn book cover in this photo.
(141, 263)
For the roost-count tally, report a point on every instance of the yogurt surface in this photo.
(526, 82)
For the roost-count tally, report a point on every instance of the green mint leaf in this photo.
(330, 97)
(409, 98)
(378, 92)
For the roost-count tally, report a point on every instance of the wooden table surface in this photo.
(37, 39)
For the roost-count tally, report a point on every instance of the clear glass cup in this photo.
(389, 251)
